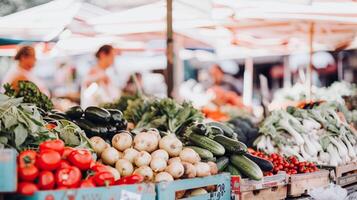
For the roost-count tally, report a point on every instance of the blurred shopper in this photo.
(97, 87)
(26, 58)
(224, 81)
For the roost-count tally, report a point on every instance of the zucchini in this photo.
(233, 170)
(264, 165)
(213, 159)
(116, 115)
(247, 167)
(89, 128)
(222, 163)
(231, 145)
(204, 153)
(74, 112)
(226, 129)
(96, 114)
(207, 143)
(215, 130)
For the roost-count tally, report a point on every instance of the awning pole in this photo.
(309, 67)
(169, 49)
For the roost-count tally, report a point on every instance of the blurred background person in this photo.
(97, 87)
(26, 60)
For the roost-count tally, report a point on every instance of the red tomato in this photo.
(26, 188)
(62, 188)
(68, 177)
(50, 126)
(46, 180)
(56, 145)
(89, 183)
(27, 158)
(99, 167)
(104, 178)
(48, 160)
(66, 152)
(28, 173)
(64, 164)
(132, 179)
(80, 158)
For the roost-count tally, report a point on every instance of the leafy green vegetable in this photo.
(21, 125)
(30, 93)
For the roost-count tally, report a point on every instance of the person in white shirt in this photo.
(97, 87)
(26, 58)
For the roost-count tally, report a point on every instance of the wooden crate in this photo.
(273, 193)
(167, 190)
(300, 184)
(132, 192)
(343, 175)
(274, 185)
(8, 174)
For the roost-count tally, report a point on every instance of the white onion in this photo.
(130, 154)
(110, 156)
(190, 170)
(202, 169)
(190, 155)
(180, 194)
(176, 169)
(124, 167)
(197, 192)
(171, 144)
(143, 158)
(98, 144)
(213, 168)
(161, 154)
(146, 172)
(163, 176)
(155, 132)
(145, 142)
(122, 141)
(158, 164)
(174, 159)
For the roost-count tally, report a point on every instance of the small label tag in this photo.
(126, 195)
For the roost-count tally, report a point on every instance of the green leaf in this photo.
(20, 135)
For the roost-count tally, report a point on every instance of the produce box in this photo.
(8, 174)
(124, 192)
(167, 190)
(274, 186)
(300, 184)
(344, 175)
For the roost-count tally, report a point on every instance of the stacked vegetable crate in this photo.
(137, 191)
(301, 184)
(344, 175)
(270, 187)
(222, 189)
(8, 174)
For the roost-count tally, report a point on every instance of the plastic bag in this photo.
(332, 192)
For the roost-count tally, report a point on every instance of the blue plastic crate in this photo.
(167, 190)
(123, 192)
(8, 175)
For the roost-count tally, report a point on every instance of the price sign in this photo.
(126, 195)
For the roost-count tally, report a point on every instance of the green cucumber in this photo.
(74, 112)
(204, 153)
(200, 128)
(264, 165)
(247, 167)
(226, 129)
(233, 170)
(213, 159)
(207, 143)
(96, 114)
(222, 163)
(231, 145)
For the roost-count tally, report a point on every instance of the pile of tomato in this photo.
(55, 166)
(290, 165)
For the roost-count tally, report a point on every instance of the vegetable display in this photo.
(55, 166)
(321, 134)
(153, 157)
(30, 93)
